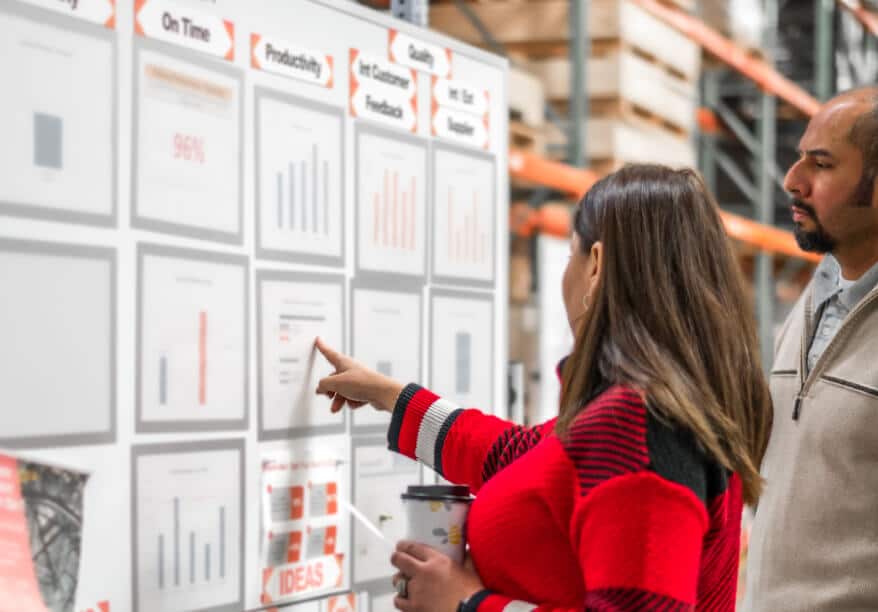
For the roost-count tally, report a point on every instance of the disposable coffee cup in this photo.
(437, 517)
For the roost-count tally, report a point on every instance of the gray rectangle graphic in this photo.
(463, 361)
(48, 141)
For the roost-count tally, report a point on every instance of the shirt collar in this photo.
(861, 288)
(826, 284)
(826, 281)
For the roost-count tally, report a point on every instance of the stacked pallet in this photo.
(641, 75)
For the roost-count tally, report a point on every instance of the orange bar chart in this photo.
(467, 240)
(393, 214)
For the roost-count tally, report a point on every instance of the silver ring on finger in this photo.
(402, 587)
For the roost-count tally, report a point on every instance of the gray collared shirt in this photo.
(835, 302)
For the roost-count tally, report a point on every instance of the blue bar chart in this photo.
(198, 564)
(302, 190)
(187, 525)
(299, 175)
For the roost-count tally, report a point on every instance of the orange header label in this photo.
(165, 21)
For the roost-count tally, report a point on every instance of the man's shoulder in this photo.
(795, 320)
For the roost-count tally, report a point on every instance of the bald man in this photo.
(814, 544)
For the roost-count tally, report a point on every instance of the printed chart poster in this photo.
(187, 526)
(300, 193)
(380, 477)
(306, 542)
(382, 603)
(57, 117)
(191, 340)
(386, 336)
(391, 202)
(188, 150)
(41, 512)
(58, 349)
(462, 347)
(294, 308)
(464, 216)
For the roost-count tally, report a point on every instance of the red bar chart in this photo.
(393, 213)
(465, 216)
(467, 239)
(391, 202)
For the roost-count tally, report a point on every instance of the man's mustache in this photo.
(807, 208)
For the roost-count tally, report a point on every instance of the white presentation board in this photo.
(192, 192)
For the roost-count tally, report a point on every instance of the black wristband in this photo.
(472, 604)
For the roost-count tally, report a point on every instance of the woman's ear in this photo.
(596, 255)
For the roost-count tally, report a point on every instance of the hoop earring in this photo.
(585, 300)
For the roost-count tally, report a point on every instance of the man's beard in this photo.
(817, 240)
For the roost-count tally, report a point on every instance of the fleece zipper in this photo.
(805, 384)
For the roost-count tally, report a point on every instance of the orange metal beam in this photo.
(534, 169)
(866, 17)
(555, 220)
(736, 56)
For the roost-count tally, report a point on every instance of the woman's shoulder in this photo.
(617, 433)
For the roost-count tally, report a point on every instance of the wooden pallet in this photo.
(526, 97)
(623, 81)
(542, 29)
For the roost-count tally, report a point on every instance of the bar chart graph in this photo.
(464, 215)
(294, 309)
(393, 214)
(299, 191)
(303, 196)
(192, 340)
(187, 524)
(391, 202)
(202, 365)
(171, 561)
(467, 241)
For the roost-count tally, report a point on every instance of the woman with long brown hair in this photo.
(631, 499)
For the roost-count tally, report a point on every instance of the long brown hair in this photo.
(670, 316)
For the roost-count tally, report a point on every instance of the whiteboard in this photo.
(195, 190)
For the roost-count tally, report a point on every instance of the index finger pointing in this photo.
(332, 356)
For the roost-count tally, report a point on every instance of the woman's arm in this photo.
(464, 445)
